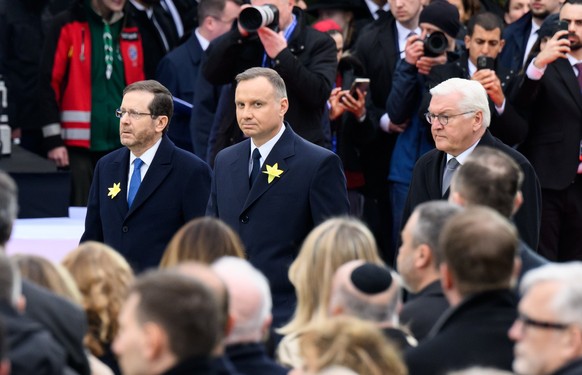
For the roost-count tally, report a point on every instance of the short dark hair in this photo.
(432, 217)
(572, 2)
(490, 178)
(162, 104)
(213, 8)
(487, 20)
(479, 247)
(184, 307)
(271, 75)
(8, 206)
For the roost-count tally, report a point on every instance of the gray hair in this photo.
(473, 96)
(8, 206)
(238, 274)
(567, 302)
(271, 75)
(432, 217)
(10, 281)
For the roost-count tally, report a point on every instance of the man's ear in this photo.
(517, 202)
(423, 257)
(156, 341)
(456, 198)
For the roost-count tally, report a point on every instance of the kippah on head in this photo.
(443, 15)
(371, 279)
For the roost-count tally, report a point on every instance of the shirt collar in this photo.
(472, 68)
(463, 155)
(373, 7)
(266, 148)
(202, 40)
(148, 156)
(403, 31)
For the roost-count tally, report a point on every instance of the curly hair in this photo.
(103, 277)
(352, 343)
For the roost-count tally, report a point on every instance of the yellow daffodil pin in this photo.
(272, 172)
(114, 190)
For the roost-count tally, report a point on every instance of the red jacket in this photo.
(65, 84)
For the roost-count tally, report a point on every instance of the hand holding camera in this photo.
(428, 52)
(263, 20)
(557, 47)
(487, 77)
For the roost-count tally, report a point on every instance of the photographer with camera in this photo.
(439, 23)
(550, 96)
(274, 34)
(483, 42)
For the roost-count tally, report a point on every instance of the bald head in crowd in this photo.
(250, 299)
(366, 291)
(548, 330)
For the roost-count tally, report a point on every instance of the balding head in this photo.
(367, 291)
(250, 299)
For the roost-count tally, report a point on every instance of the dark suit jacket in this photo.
(423, 309)
(470, 334)
(427, 181)
(572, 368)
(553, 106)
(272, 219)
(516, 36)
(66, 322)
(178, 71)
(252, 359)
(152, 43)
(174, 191)
(510, 126)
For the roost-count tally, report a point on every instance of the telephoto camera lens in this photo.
(435, 44)
(253, 18)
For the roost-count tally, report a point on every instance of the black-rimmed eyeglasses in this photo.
(443, 119)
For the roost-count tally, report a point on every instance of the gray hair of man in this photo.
(10, 281)
(432, 217)
(8, 206)
(250, 298)
(473, 96)
(567, 303)
(378, 306)
(269, 74)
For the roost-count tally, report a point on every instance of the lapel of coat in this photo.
(566, 73)
(239, 172)
(195, 50)
(119, 173)
(389, 44)
(284, 148)
(157, 172)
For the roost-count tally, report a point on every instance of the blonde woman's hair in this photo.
(204, 240)
(45, 273)
(353, 343)
(328, 246)
(103, 277)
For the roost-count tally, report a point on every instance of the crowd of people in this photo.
(252, 210)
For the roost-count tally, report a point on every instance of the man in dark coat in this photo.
(459, 113)
(168, 187)
(274, 187)
(479, 249)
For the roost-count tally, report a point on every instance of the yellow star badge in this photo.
(272, 172)
(114, 190)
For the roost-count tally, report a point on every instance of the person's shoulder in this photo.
(310, 150)
(516, 155)
(428, 157)
(518, 26)
(183, 157)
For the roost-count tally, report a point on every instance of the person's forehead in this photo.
(480, 32)
(429, 27)
(445, 102)
(539, 297)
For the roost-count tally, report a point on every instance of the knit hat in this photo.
(443, 15)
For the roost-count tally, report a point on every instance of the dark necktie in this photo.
(256, 166)
(579, 67)
(448, 175)
(135, 181)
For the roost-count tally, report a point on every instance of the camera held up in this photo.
(253, 18)
(435, 44)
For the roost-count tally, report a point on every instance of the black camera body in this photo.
(435, 44)
(253, 18)
(562, 25)
(485, 62)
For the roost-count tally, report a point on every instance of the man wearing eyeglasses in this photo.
(144, 192)
(548, 330)
(459, 115)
